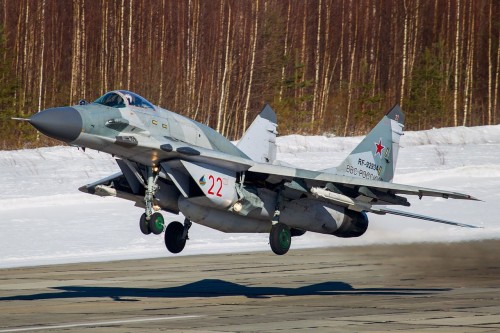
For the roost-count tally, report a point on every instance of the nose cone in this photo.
(64, 124)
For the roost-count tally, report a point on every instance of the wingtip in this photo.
(467, 197)
(471, 226)
(83, 189)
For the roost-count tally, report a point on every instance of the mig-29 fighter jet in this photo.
(172, 163)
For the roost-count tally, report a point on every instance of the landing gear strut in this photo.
(280, 237)
(150, 221)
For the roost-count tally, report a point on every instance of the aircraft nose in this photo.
(63, 123)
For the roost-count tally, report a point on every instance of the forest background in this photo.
(325, 66)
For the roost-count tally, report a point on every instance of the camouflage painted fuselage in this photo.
(234, 188)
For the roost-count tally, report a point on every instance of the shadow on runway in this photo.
(217, 288)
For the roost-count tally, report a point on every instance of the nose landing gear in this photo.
(176, 234)
(150, 221)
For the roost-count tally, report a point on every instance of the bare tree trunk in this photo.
(129, 64)
(162, 52)
(221, 111)
(121, 41)
(405, 54)
(42, 52)
(326, 63)
(189, 53)
(413, 54)
(374, 48)
(497, 82)
(227, 89)
(303, 57)
(341, 48)
(490, 65)
(83, 52)
(457, 58)
(469, 68)
(193, 57)
(316, 66)
(220, 65)
(24, 66)
(285, 51)
(252, 62)
(76, 50)
(352, 46)
(104, 43)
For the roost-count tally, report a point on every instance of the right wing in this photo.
(353, 193)
(276, 174)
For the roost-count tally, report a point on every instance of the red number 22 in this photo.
(211, 189)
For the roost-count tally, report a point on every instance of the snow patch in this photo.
(45, 220)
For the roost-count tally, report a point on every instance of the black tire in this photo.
(143, 225)
(173, 237)
(156, 223)
(280, 238)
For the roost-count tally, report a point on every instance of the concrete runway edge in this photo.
(425, 287)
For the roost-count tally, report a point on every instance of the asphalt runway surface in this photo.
(412, 288)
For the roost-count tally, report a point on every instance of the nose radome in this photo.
(64, 123)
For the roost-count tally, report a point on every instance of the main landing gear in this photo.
(176, 233)
(280, 238)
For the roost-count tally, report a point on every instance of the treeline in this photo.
(324, 65)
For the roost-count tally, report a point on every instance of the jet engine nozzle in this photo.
(64, 123)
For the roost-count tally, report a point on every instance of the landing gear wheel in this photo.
(143, 225)
(156, 223)
(174, 240)
(280, 238)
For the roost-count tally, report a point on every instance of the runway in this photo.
(419, 287)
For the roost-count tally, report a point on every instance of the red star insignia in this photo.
(380, 147)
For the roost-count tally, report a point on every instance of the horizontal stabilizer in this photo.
(384, 210)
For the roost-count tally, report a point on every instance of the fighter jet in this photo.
(172, 163)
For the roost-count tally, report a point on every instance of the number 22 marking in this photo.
(211, 189)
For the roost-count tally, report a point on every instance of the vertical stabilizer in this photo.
(375, 157)
(259, 141)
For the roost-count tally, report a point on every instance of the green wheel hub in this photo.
(156, 223)
(284, 238)
(280, 238)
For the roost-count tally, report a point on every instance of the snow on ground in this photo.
(44, 219)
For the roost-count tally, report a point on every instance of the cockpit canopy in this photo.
(124, 98)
